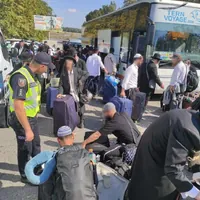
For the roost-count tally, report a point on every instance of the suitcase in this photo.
(139, 106)
(114, 81)
(51, 97)
(4, 110)
(109, 91)
(123, 105)
(65, 113)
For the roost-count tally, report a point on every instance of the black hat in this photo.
(43, 58)
(157, 56)
(26, 56)
(68, 57)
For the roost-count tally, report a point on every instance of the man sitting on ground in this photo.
(65, 136)
(118, 124)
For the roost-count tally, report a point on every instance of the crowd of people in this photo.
(159, 170)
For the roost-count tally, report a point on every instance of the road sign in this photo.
(46, 23)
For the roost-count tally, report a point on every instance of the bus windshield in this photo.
(177, 38)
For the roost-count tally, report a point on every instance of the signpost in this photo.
(47, 23)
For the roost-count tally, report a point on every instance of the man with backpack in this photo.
(73, 178)
(192, 77)
(179, 76)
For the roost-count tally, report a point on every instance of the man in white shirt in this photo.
(130, 82)
(94, 65)
(179, 77)
(110, 62)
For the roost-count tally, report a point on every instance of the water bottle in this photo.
(92, 157)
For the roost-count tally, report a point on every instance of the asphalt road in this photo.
(10, 186)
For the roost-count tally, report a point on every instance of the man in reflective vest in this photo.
(25, 92)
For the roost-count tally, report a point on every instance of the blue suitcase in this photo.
(51, 97)
(114, 81)
(109, 91)
(123, 105)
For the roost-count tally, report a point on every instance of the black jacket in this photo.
(25, 48)
(158, 171)
(80, 77)
(81, 64)
(152, 71)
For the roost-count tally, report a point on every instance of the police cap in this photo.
(43, 58)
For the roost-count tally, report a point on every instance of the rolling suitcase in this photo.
(4, 110)
(51, 97)
(139, 106)
(123, 105)
(65, 113)
(109, 91)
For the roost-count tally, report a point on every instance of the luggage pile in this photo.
(76, 177)
(170, 101)
(134, 109)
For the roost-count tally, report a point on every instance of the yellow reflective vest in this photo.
(33, 94)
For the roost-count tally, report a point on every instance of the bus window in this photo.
(4, 48)
(124, 47)
(181, 39)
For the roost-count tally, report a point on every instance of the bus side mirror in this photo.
(150, 34)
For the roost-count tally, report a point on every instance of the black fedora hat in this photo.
(69, 57)
(157, 56)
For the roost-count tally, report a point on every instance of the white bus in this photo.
(149, 27)
(5, 67)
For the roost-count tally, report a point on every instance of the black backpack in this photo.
(192, 80)
(73, 178)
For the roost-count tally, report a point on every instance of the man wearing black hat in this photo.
(72, 80)
(150, 76)
(25, 91)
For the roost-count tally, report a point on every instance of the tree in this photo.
(73, 30)
(128, 2)
(105, 9)
(16, 18)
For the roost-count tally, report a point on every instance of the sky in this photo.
(74, 11)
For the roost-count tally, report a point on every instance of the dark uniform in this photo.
(24, 86)
(19, 85)
(158, 168)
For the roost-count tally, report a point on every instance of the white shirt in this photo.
(72, 87)
(179, 75)
(130, 77)
(20, 50)
(94, 64)
(110, 63)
